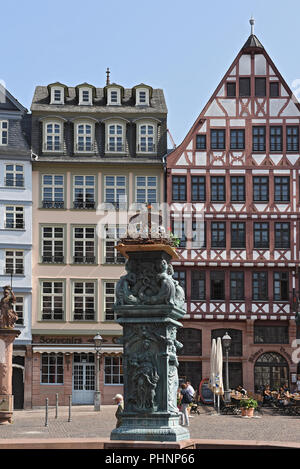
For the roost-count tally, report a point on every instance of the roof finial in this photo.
(252, 21)
(107, 76)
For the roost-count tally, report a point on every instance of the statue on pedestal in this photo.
(8, 316)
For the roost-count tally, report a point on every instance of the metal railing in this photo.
(53, 204)
(53, 259)
(84, 204)
(84, 259)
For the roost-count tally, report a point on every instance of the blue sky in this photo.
(184, 47)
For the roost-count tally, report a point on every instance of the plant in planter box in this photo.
(248, 405)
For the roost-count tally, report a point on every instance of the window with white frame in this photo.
(53, 191)
(146, 138)
(53, 244)
(85, 96)
(109, 288)
(14, 217)
(14, 175)
(142, 97)
(114, 96)
(57, 95)
(84, 188)
(53, 136)
(84, 245)
(146, 189)
(112, 236)
(115, 137)
(3, 132)
(115, 190)
(113, 370)
(19, 310)
(52, 300)
(84, 300)
(84, 137)
(14, 262)
(52, 368)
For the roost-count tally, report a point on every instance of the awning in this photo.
(79, 349)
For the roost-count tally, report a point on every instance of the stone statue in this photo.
(8, 316)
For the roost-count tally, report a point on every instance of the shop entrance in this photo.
(270, 369)
(83, 386)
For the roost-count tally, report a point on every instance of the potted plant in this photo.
(247, 406)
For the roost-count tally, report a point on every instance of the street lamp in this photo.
(97, 396)
(226, 339)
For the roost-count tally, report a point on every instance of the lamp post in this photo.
(97, 396)
(226, 339)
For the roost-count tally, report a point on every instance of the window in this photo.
(114, 97)
(260, 188)
(198, 188)
(179, 188)
(14, 217)
(260, 87)
(237, 286)
(84, 245)
(85, 96)
(84, 192)
(201, 142)
(146, 189)
(3, 132)
(57, 95)
(244, 87)
(260, 286)
(115, 190)
(292, 138)
(236, 347)
(52, 368)
(217, 188)
(275, 138)
(52, 300)
(274, 89)
(217, 285)
(237, 139)
(84, 300)
(14, 175)
(109, 300)
(113, 370)
(271, 334)
(259, 138)
(217, 139)
(19, 310)
(261, 235)
(218, 235)
(198, 285)
(180, 276)
(281, 286)
(192, 341)
(238, 235)
(198, 234)
(115, 138)
(282, 188)
(14, 262)
(179, 229)
(142, 97)
(146, 138)
(231, 89)
(53, 137)
(53, 244)
(237, 189)
(84, 138)
(53, 191)
(112, 236)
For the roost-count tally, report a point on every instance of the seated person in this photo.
(283, 397)
(267, 395)
(241, 390)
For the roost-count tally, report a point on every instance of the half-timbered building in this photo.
(233, 188)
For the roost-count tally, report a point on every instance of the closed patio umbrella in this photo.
(212, 377)
(219, 371)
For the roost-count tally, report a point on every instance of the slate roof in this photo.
(40, 102)
(253, 41)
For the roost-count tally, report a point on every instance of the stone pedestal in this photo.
(7, 337)
(149, 307)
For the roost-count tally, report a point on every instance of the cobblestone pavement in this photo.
(86, 423)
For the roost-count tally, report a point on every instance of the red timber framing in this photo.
(268, 163)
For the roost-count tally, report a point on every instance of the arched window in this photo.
(146, 138)
(270, 369)
(84, 137)
(115, 138)
(53, 137)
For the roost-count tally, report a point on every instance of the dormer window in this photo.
(85, 96)
(3, 132)
(57, 95)
(114, 97)
(142, 97)
(53, 136)
(146, 137)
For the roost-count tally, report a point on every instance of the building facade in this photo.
(16, 231)
(233, 188)
(97, 153)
